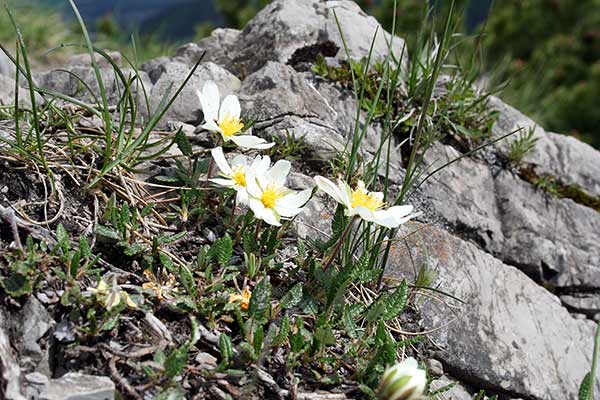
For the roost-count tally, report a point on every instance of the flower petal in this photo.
(223, 182)
(230, 108)
(364, 213)
(209, 100)
(329, 187)
(270, 217)
(279, 172)
(242, 196)
(210, 125)
(290, 203)
(252, 186)
(251, 142)
(238, 160)
(219, 157)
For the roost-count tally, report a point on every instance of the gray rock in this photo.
(314, 222)
(321, 142)
(10, 373)
(586, 303)
(542, 238)
(434, 367)
(186, 107)
(76, 386)
(511, 335)
(285, 26)
(284, 100)
(7, 68)
(218, 48)
(453, 390)
(32, 325)
(7, 93)
(571, 161)
(74, 82)
(463, 194)
(84, 60)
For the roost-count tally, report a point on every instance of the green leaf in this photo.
(339, 222)
(585, 389)
(260, 301)
(226, 348)
(187, 280)
(259, 337)
(284, 331)
(17, 285)
(183, 143)
(107, 232)
(222, 250)
(175, 362)
(324, 335)
(293, 297)
(62, 238)
(167, 239)
(396, 302)
(84, 247)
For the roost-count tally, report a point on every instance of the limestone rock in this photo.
(511, 335)
(566, 158)
(186, 107)
(542, 238)
(76, 386)
(285, 26)
(453, 390)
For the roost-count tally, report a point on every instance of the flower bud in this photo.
(403, 381)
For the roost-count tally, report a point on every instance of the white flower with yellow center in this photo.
(234, 175)
(403, 381)
(269, 199)
(368, 205)
(224, 118)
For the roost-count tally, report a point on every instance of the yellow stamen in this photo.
(360, 197)
(230, 126)
(270, 196)
(239, 175)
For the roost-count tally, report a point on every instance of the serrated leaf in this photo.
(183, 143)
(187, 280)
(17, 285)
(339, 222)
(107, 232)
(260, 301)
(167, 239)
(84, 247)
(585, 389)
(175, 362)
(259, 337)
(225, 348)
(284, 331)
(62, 238)
(293, 297)
(395, 303)
(222, 250)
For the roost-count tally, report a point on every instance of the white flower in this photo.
(368, 205)
(269, 198)
(234, 175)
(403, 381)
(224, 118)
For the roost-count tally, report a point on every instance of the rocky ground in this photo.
(515, 244)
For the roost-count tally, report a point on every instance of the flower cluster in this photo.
(261, 186)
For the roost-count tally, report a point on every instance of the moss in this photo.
(553, 186)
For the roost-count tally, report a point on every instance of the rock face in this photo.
(519, 257)
(511, 335)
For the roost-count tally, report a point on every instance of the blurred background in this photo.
(543, 55)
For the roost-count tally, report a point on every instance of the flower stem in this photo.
(338, 245)
(233, 209)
